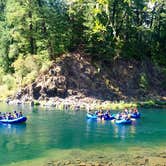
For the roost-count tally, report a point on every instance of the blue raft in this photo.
(123, 121)
(95, 117)
(136, 115)
(14, 121)
(91, 116)
(109, 117)
(133, 115)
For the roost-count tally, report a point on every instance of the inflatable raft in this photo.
(11, 121)
(135, 116)
(109, 117)
(91, 116)
(123, 121)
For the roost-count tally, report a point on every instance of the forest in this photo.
(33, 33)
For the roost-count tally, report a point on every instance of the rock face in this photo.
(74, 75)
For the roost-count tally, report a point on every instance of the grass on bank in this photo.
(122, 105)
(152, 104)
(115, 105)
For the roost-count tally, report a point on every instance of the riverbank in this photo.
(75, 81)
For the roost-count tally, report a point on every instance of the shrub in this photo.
(27, 69)
(143, 82)
(9, 81)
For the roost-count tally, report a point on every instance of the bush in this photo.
(43, 61)
(30, 77)
(7, 85)
(143, 82)
(2, 73)
(27, 69)
(6, 92)
(9, 81)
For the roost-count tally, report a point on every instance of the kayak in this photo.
(136, 116)
(123, 121)
(16, 120)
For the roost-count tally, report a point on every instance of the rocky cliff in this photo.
(74, 75)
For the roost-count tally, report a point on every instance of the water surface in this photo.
(60, 131)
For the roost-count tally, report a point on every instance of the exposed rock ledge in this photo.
(73, 79)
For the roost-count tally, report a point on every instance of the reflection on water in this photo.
(121, 131)
(110, 128)
(12, 129)
(133, 130)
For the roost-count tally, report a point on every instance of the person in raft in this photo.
(135, 111)
(10, 116)
(107, 114)
(126, 111)
(100, 114)
(15, 114)
(1, 116)
(20, 115)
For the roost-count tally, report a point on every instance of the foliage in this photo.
(27, 68)
(112, 28)
(143, 82)
(152, 104)
(6, 92)
(7, 85)
(117, 105)
(33, 33)
(9, 81)
(32, 27)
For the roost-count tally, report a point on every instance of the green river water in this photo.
(49, 134)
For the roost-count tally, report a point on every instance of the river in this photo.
(57, 135)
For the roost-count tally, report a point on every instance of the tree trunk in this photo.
(31, 38)
(113, 12)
